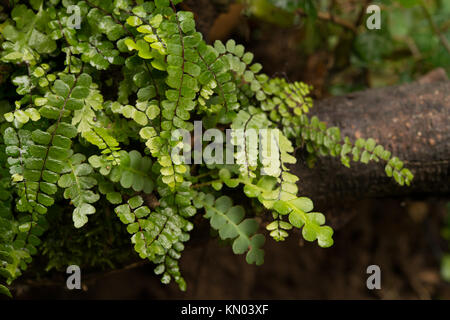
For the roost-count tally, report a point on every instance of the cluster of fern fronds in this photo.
(94, 94)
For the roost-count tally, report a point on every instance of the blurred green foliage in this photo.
(445, 263)
(409, 44)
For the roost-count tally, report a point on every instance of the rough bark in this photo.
(412, 121)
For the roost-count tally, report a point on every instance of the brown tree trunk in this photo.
(412, 121)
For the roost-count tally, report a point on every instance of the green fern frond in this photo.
(77, 181)
(229, 221)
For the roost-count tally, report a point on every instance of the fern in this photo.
(134, 172)
(78, 183)
(91, 126)
(156, 236)
(5, 222)
(108, 145)
(228, 221)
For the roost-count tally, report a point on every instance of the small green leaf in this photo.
(4, 291)
(296, 219)
(303, 204)
(134, 21)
